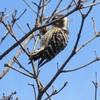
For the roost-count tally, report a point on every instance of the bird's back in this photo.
(54, 41)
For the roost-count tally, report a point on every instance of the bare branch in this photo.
(17, 54)
(9, 97)
(54, 11)
(55, 91)
(46, 92)
(34, 90)
(66, 8)
(78, 4)
(5, 35)
(91, 5)
(82, 1)
(28, 26)
(43, 10)
(34, 48)
(79, 34)
(82, 7)
(7, 65)
(30, 7)
(89, 9)
(46, 2)
(96, 85)
(13, 22)
(36, 76)
(2, 20)
(16, 60)
(91, 39)
(10, 30)
(20, 28)
(15, 11)
(21, 14)
(38, 12)
(91, 62)
(94, 24)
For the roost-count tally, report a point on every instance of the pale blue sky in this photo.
(80, 86)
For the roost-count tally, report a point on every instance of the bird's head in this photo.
(63, 23)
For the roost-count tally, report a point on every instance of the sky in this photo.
(80, 86)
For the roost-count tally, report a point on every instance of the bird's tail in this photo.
(39, 54)
(36, 55)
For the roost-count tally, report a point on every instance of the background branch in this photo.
(96, 85)
(17, 55)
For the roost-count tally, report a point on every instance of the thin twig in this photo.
(45, 29)
(16, 60)
(10, 30)
(34, 90)
(54, 11)
(43, 11)
(36, 42)
(22, 14)
(89, 9)
(91, 39)
(82, 1)
(78, 5)
(7, 65)
(28, 26)
(9, 97)
(16, 55)
(38, 12)
(10, 14)
(13, 22)
(83, 18)
(36, 4)
(57, 12)
(66, 8)
(96, 85)
(55, 91)
(81, 66)
(94, 25)
(20, 28)
(36, 77)
(30, 7)
(4, 36)
(44, 4)
(90, 5)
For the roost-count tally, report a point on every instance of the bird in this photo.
(53, 41)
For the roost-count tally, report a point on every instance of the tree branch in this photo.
(34, 90)
(89, 63)
(96, 85)
(56, 92)
(7, 65)
(16, 55)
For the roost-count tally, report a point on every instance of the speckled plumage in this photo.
(53, 41)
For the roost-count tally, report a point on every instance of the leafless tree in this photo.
(41, 24)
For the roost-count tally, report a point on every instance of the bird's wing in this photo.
(37, 54)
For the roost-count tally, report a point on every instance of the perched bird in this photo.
(53, 41)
